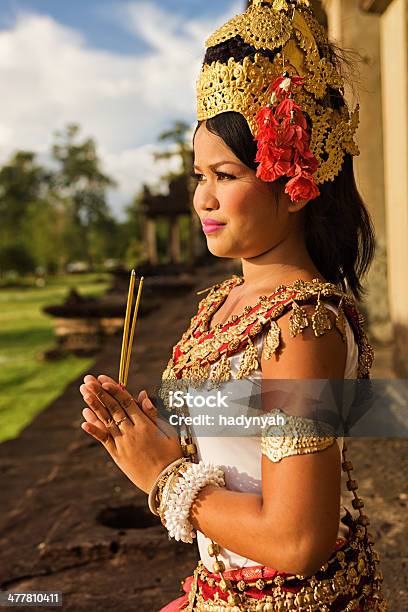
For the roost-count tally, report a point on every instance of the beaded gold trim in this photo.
(356, 577)
(166, 486)
(351, 571)
(301, 47)
(201, 347)
(298, 436)
(256, 28)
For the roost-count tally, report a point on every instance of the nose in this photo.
(204, 199)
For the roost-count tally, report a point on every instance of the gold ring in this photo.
(117, 423)
(109, 422)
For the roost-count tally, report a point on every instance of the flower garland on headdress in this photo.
(284, 142)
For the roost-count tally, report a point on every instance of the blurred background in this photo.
(97, 115)
(95, 135)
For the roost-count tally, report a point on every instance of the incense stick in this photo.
(132, 333)
(126, 325)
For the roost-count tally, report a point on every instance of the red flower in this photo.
(285, 107)
(307, 162)
(275, 86)
(284, 142)
(274, 162)
(302, 187)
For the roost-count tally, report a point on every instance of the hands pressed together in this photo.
(138, 440)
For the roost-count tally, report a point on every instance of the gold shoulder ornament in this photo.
(297, 436)
(204, 351)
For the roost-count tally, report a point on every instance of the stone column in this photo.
(174, 242)
(151, 245)
(394, 46)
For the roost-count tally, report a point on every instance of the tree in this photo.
(22, 181)
(177, 136)
(52, 217)
(44, 231)
(16, 258)
(82, 185)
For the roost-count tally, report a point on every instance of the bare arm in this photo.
(293, 526)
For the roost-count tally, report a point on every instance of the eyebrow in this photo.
(218, 164)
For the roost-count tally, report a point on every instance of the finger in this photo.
(96, 433)
(102, 378)
(94, 402)
(102, 413)
(123, 397)
(90, 378)
(109, 423)
(151, 411)
(141, 396)
(110, 403)
(128, 402)
(91, 417)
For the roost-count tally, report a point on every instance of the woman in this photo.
(275, 188)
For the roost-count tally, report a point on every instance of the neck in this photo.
(282, 264)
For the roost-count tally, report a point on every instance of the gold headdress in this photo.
(287, 40)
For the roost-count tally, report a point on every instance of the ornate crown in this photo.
(290, 29)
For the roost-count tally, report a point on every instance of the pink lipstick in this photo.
(210, 226)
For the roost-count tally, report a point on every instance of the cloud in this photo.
(132, 167)
(49, 78)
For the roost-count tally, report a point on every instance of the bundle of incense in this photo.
(129, 329)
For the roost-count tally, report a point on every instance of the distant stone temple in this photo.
(170, 207)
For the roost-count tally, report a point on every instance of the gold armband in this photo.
(294, 435)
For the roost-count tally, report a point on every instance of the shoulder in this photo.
(306, 355)
(306, 339)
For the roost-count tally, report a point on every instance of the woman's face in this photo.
(251, 219)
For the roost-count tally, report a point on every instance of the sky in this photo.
(123, 70)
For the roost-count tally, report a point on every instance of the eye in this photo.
(199, 178)
(225, 176)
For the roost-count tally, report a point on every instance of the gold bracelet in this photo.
(168, 488)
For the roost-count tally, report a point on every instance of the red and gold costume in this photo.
(350, 580)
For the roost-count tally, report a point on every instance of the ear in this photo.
(291, 207)
(296, 206)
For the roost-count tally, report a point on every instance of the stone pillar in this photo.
(353, 29)
(394, 46)
(174, 242)
(150, 238)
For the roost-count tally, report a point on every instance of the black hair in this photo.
(339, 232)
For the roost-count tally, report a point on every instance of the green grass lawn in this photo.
(27, 383)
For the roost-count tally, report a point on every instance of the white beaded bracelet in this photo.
(188, 485)
(153, 490)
